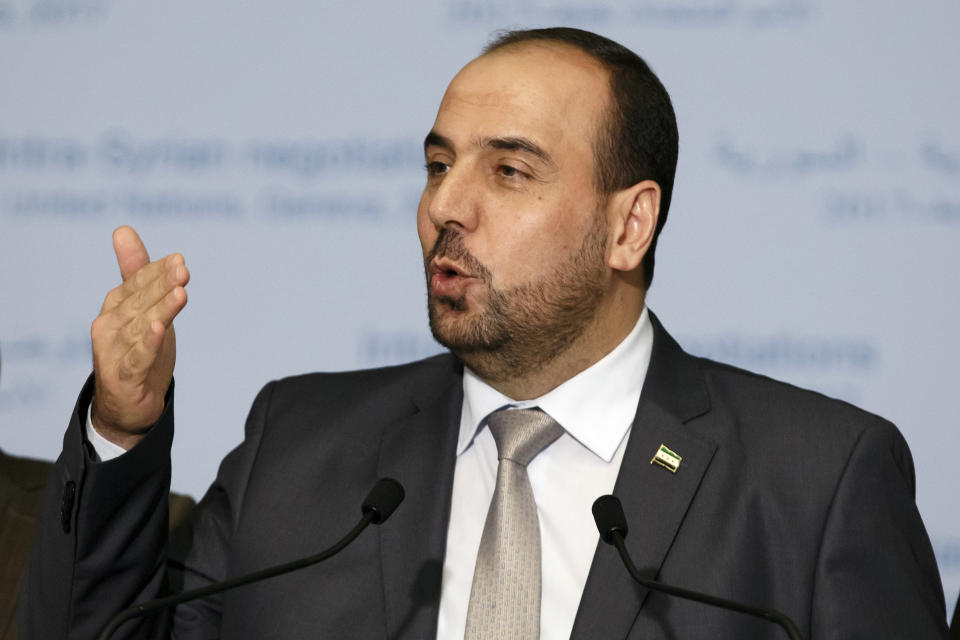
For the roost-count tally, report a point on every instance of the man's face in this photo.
(513, 233)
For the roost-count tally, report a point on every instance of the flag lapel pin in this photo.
(667, 459)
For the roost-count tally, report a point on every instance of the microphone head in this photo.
(383, 499)
(608, 514)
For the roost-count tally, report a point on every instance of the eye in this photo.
(436, 168)
(508, 171)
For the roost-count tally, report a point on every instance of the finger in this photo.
(153, 282)
(131, 253)
(147, 286)
(140, 327)
(171, 305)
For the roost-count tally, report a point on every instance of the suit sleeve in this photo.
(101, 533)
(876, 576)
(102, 536)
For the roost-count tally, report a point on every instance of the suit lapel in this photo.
(420, 452)
(654, 499)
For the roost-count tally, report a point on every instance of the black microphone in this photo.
(612, 524)
(376, 508)
(385, 496)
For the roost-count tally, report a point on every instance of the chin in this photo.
(450, 327)
(458, 327)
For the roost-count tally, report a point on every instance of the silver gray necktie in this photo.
(505, 597)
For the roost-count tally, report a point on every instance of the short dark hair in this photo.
(639, 140)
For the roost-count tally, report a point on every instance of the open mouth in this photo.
(447, 269)
(448, 279)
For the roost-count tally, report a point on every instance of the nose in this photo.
(453, 199)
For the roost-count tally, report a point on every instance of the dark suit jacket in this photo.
(955, 623)
(784, 499)
(21, 488)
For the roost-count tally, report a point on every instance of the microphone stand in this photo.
(379, 504)
(770, 615)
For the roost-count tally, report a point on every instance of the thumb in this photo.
(131, 254)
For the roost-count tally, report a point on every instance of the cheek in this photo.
(520, 256)
(527, 252)
(426, 230)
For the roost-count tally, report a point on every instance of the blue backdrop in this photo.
(812, 236)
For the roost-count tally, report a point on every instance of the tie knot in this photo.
(521, 434)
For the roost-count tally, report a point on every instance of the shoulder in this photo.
(752, 408)
(740, 391)
(771, 419)
(25, 473)
(401, 381)
(21, 483)
(409, 373)
(361, 397)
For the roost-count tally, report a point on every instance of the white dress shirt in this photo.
(596, 409)
(104, 449)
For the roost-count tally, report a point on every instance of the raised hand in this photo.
(134, 346)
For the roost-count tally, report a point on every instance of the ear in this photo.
(633, 214)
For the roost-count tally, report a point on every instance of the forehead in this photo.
(553, 94)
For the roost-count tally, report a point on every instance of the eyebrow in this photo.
(514, 143)
(434, 139)
(519, 144)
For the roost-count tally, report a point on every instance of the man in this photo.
(549, 173)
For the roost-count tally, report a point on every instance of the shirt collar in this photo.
(596, 406)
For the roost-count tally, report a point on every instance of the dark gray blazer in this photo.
(784, 499)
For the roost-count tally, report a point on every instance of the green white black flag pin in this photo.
(666, 458)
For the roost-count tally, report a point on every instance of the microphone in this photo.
(612, 524)
(385, 496)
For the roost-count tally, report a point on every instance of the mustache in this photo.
(450, 245)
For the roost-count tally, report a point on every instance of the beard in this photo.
(520, 329)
